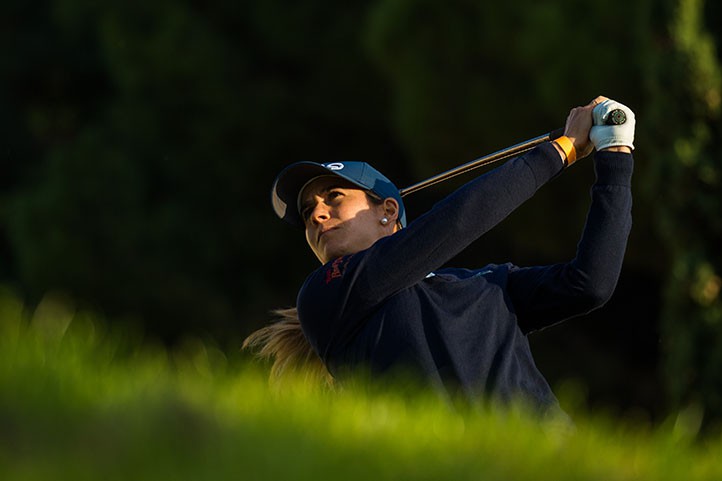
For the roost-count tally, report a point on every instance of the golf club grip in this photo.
(615, 117)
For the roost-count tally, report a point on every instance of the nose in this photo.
(320, 213)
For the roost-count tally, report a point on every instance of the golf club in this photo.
(615, 117)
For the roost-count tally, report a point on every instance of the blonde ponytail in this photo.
(283, 342)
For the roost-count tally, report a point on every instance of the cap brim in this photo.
(288, 185)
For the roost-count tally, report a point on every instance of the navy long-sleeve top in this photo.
(394, 305)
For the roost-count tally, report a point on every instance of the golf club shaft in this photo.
(482, 161)
(615, 117)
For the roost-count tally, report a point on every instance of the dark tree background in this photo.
(140, 140)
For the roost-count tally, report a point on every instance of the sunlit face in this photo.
(340, 219)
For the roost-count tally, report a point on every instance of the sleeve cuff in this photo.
(614, 168)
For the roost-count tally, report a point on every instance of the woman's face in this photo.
(340, 219)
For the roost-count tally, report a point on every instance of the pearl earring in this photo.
(384, 221)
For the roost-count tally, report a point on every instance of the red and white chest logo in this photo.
(334, 272)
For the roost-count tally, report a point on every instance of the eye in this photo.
(334, 194)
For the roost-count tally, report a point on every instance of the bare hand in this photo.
(578, 125)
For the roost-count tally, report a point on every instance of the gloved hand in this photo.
(602, 135)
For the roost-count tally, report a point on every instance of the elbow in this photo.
(590, 288)
(593, 297)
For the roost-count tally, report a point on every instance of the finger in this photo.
(597, 101)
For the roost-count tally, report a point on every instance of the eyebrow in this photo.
(305, 203)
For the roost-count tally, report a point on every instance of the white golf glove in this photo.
(603, 135)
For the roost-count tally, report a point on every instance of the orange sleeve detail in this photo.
(567, 146)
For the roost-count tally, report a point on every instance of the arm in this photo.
(403, 259)
(545, 295)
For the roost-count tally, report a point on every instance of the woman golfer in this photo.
(382, 300)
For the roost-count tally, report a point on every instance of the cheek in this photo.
(368, 226)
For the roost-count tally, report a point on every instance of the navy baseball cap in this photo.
(291, 181)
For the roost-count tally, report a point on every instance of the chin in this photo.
(334, 253)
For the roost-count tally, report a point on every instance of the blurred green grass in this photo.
(81, 401)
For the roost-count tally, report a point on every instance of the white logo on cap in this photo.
(334, 166)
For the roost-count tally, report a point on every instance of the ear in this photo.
(391, 210)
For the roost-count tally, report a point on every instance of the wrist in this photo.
(620, 148)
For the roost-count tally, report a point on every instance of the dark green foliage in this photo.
(148, 193)
(685, 179)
